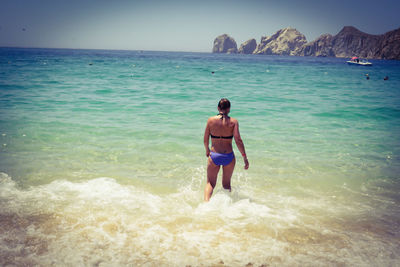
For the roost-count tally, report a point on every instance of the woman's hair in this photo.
(224, 104)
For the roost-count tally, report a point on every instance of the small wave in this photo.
(102, 222)
(227, 206)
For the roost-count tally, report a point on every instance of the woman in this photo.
(222, 129)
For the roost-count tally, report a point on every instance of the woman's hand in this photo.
(246, 163)
(207, 152)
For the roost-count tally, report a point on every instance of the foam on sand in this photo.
(103, 222)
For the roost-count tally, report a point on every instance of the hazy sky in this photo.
(180, 25)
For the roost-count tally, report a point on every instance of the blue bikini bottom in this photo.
(222, 159)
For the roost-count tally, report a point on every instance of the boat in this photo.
(357, 61)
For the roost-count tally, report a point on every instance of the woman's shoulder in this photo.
(212, 118)
(217, 118)
(233, 120)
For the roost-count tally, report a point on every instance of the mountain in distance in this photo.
(348, 42)
(287, 41)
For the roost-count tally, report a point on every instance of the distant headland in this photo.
(348, 42)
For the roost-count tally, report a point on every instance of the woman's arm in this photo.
(207, 138)
(240, 144)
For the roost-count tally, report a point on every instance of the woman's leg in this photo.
(227, 171)
(212, 174)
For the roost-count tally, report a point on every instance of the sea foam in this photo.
(102, 222)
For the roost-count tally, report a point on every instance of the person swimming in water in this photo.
(222, 129)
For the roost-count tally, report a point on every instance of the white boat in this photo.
(357, 61)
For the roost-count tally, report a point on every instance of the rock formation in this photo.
(390, 45)
(224, 44)
(353, 42)
(348, 42)
(320, 47)
(248, 47)
(287, 41)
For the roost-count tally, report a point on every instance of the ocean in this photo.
(102, 160)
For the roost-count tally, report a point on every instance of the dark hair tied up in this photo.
(224, 104)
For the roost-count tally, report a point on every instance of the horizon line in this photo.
(113, 49)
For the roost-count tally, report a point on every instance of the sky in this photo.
(178, 25)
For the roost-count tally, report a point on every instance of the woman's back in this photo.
(221, 131)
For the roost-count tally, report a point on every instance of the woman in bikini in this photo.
(222, 129)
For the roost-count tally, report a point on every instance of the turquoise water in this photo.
(102, 160)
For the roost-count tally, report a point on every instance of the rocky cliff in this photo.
(348, 42)
(224, 44)
(353, 42)
(390, 45)
(248, 47)
(321, 47)
(287, 41)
